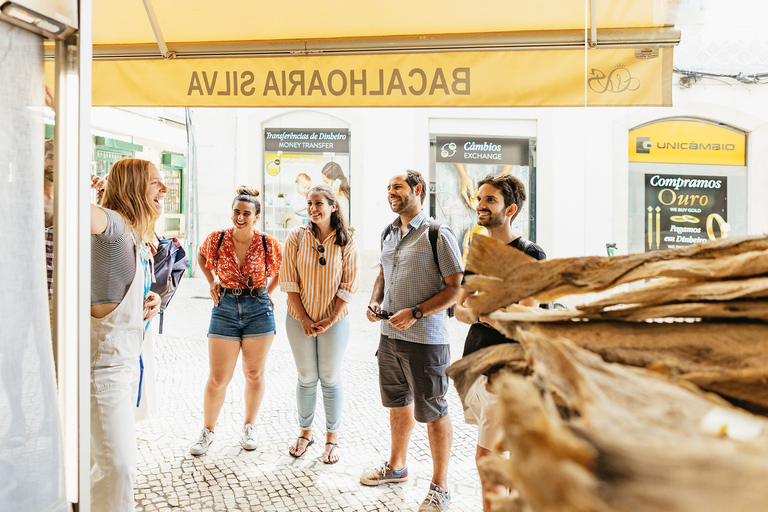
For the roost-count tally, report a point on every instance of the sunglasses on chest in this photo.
(321, 250)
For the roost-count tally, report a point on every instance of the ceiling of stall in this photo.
(248, 20)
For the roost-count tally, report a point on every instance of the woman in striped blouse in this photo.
(320, 273)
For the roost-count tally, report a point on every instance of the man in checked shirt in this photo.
(411, 295)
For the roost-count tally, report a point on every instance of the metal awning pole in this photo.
(593, 23)
(156, 29)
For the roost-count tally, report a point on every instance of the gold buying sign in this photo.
(683, 210)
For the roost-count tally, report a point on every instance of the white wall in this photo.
(581, 159)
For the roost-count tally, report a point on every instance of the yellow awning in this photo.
(353, 53)
(125, 22)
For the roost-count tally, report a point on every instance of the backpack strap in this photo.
(434, 232)
(218, 247)
(384, 235)
(264, 243)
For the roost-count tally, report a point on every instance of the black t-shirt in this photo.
(481, 336)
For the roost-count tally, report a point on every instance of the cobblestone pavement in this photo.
(268, 479)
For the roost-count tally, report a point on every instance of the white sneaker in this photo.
(249, 440)
(201, 446)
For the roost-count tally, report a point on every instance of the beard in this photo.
(493, 221)
(404, 204)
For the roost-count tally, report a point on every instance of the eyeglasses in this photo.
(321, 250)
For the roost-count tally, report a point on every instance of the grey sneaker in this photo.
(437, 499)
(384, 475)
(249, 440)
(201, 446)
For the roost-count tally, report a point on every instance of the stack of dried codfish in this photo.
(586, 435)
(717, 294)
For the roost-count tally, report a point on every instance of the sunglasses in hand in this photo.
(380, 314)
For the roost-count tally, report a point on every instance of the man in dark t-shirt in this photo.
(500, 199)
(482, 335)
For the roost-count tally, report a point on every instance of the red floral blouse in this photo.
(256, 268)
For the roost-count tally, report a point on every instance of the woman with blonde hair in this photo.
(320, 275)
(121, 306)
(242, 319)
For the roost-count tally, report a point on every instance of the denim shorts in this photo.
(241, 317)
(414, 373)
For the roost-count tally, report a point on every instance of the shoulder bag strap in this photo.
(218, 247)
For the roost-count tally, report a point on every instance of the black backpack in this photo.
(170, 263)
(434, 232)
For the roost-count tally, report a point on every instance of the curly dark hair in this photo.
(511, 188)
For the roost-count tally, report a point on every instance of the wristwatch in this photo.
(417, 312)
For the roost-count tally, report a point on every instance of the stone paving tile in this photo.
(268, 479)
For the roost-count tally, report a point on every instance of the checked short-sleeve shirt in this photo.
(411, 277)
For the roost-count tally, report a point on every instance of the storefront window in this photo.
(295, 160)
(461, 162)
(687, 183)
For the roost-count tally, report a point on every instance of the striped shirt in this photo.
(113, 261)
(319, 285)
(411, 277)
(49, 259)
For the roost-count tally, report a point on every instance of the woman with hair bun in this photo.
(121, 305)
(320, 275)
(242, 319)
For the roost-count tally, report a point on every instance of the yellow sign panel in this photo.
(687, 142)
(612, 77)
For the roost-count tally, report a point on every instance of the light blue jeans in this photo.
(319, 358)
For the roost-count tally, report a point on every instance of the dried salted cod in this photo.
(730, 359)
(631, 440)
(466, 370)
(604, 310)
(677, 290)
(505, 275)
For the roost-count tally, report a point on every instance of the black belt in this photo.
(238, 292)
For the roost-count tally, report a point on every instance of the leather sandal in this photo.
(329, 461)
(309, 443)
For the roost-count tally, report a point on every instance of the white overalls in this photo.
(116, 343)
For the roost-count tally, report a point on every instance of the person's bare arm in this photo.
(306, 322)
(462, 311)
(324, 324)
(98, 220)
(213, 282)
(443, 299)
(377, 295)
